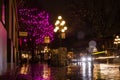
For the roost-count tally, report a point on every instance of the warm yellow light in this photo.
(24, 55)
(117, 40)
(62, 30)
(59, 17)
(65, 28)
(24, 69)
(57, 22)
(62, 23)
(57, 27)
(55, 30)
(117, 36)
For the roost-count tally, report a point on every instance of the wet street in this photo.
(107, 71)
(80, 71)
(41, 72)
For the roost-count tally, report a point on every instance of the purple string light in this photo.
(36, 23)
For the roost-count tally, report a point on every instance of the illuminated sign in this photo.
(23, 33)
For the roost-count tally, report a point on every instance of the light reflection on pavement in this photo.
(34, 72)
(81, 71)
(98, 71)
(24, 69)
(46, 72)
(107, 71)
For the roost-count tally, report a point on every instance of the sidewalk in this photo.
(10, 73)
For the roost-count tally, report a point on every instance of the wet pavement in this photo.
(79, 71)
(107, 71)
(41, 72)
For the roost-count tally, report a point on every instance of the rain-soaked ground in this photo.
(81, 71)
(75, 71)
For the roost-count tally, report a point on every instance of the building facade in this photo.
(8, 35)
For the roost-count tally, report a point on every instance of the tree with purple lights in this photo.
(36, 23)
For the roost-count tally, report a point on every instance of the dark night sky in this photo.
(86, 19)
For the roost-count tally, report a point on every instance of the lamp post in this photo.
(60, 27)
(117, 41)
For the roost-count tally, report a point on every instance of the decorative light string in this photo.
(36, 23)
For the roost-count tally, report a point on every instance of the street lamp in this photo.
(117, 41)
(60, 27)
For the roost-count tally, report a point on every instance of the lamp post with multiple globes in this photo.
(60, 27)
(117, 41)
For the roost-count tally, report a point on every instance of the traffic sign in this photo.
(92, 43)
(92, 46)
